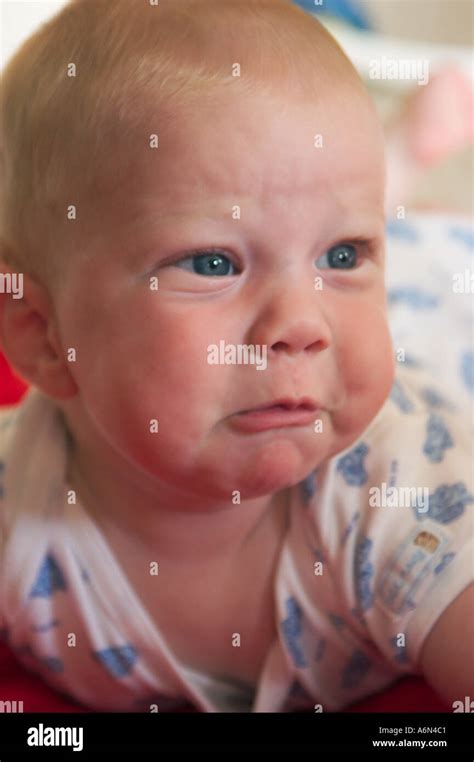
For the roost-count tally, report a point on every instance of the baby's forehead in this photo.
(230, 136)
(214, 123)
(232, 144)
(232, 113)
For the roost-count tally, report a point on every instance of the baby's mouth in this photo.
(277, 414)
(285, 404)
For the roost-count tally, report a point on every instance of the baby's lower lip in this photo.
(272, 418)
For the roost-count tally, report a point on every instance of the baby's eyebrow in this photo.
(168, 222)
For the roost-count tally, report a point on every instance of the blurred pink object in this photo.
(436, 121)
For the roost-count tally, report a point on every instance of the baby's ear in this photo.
(29, 335)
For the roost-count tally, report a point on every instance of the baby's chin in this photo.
(272, 464)
(282, 464)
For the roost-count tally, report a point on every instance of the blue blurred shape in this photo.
(348, 10)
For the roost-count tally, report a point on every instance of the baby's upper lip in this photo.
(290, 403)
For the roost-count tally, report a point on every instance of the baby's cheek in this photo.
(372, 363)
(366, 367)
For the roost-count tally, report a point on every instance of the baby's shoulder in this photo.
(414, 456)
(419, 422)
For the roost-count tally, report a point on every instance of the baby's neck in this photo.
(178, 534)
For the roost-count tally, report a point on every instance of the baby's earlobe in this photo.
(31, 343)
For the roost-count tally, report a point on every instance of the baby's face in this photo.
(298, 223)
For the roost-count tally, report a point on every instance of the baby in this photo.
(180, 529)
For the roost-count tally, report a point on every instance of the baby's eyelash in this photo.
(365, 247)
(199, 253)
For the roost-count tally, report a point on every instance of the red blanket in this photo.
(408, 695)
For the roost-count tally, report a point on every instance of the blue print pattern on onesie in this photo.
(403, 230)
(336, 620)
(467, 370)
(355, 670)
(349, 528)
(398, 396)
(363, 572)
(53, 664)
(308, 487)
(351, 466)
(463, 234)
(49, 579)
(118, 661)
(291, 627)
(447, 503)
(438, 439)
(413, 297)
(432, 397)
(447, 558)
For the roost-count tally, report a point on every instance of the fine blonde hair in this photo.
(90, 86)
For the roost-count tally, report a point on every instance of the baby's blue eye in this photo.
(340, 257)
(210, 263)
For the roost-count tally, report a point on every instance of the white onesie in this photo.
(380, 542)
